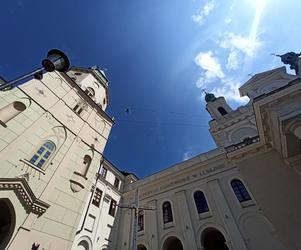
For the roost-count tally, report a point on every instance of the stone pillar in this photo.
(152, 225)
(185, 221)
(235, 240)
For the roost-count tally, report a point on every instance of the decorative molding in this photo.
(25, 194)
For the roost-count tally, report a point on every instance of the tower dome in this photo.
(209, 97)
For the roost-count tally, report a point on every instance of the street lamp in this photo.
(56, 60)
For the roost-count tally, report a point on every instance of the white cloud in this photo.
(229, 90)
(228, 20)
(186, 156)
(233, 60)
(205, 11)
(211, 67)
(245, 44)
(212, 71)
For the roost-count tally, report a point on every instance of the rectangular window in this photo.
(103, 172)
(112, 208)
(140, 220)
(97, 197)
(116, 183)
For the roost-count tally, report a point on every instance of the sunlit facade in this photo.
(58, 191)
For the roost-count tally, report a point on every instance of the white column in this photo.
(151, 225)
(236, 240)
(185, 221)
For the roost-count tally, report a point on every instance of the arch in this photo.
(213, 239)
(85, 165)
(240, 190)
(172, 243)
(222, 111)
(200, 202)
(167, 212)
(7, 222)
(237, 135)
(141, 247)
(43, 154)
(10, 111)
(84, 243)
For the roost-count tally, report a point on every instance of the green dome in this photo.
(210, 97)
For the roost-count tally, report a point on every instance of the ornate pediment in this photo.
(265, 82)
(24, 193)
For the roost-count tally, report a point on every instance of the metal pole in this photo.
(13, 83)
(135, 229)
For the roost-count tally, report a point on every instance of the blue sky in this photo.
(159, 55)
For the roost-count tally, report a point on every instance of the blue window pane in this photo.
(46, 155)
(240, 191)
(49, 145)
(41, 162)
(200, 202)
(34, 158)
(41, 150)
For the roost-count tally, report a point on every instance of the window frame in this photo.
(245, 203)
(141, 220)
(118, 183)
(112, 208)
(96, 200)
(105, 170)
(171, 219)
(40, 156)
(204, 199)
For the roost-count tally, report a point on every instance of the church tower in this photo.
(230, 127)
(217, 107)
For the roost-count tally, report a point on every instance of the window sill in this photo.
(169, 225)
(32, 166)
(205, 215)
(248, 203)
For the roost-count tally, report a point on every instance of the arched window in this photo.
(222, 111)
(240, 190)
(43, 154)
(167, 212)
(86, 164)
(200, 202)
(10, 111)
(140, 220)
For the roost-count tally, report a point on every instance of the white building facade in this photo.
(52, 135)
(242, 195)
(57, 190)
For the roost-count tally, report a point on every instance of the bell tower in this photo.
(217, 107)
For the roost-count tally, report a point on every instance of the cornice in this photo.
(25, 194)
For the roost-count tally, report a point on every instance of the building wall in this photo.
(276, 187)
(96, 223)
(226, 213)
(49, 116)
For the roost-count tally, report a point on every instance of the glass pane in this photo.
(41, 150)
(49, 145)
(34, 158)
(41, 162)
(46, 155)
